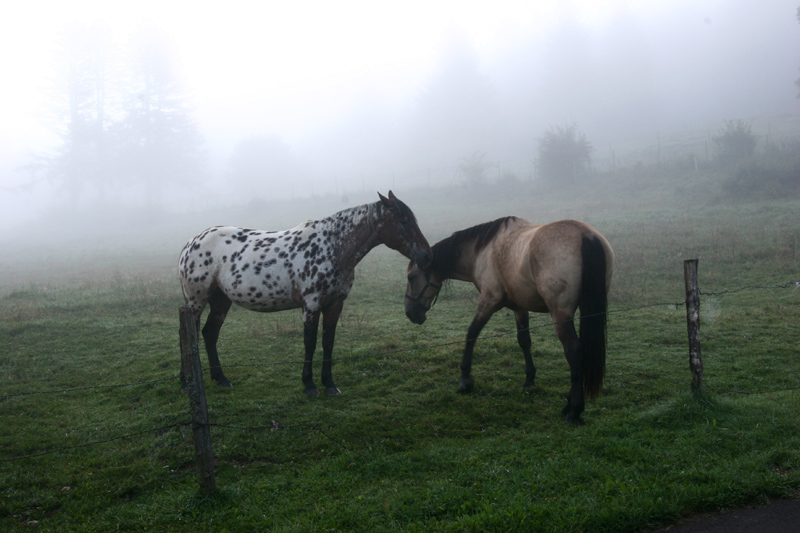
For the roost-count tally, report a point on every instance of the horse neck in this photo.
(355, 233)
(465, 269)
(455, 260)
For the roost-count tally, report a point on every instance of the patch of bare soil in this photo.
(779, 516)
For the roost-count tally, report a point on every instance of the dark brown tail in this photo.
(593, 303)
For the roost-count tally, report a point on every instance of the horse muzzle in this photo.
(416, 309)
(416, 314)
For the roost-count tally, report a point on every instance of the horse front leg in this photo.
(565, 329)
(467, 383)
(310, 325)
(330, 317)
(524, 340)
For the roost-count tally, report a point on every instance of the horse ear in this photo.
(386, 201)
(392, 196)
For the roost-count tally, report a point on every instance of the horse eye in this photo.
(412, 277)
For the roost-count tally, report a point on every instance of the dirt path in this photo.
(779, 516)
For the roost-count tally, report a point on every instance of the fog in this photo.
(317, 100)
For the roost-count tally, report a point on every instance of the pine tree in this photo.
(79, 96)
(158, 140)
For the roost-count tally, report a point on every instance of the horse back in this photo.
(253, 268)
(541, 264)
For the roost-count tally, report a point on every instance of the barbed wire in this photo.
(275, 426)
(758, 391)
(675, 305)
(789, 285)
(457, 341)
(6, 396)
(94, 443)
(272, 427)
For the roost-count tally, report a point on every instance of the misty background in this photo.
(168, 109)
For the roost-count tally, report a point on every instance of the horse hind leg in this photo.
(219, 305)
(565, 329)
(524, 340)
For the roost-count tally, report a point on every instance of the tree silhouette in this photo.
(79, 110)
(735, 142)
(474, 168)
(116, 125)
(563, 154)
(797, 81)
(159, 142)
(455, 113)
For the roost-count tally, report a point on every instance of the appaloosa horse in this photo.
(551, 268)
(311, 266)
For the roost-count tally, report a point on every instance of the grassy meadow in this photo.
(94, 433)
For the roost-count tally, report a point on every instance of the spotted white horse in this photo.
(311, 266)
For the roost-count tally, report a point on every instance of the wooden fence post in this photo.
(190, 356)
(693, 322)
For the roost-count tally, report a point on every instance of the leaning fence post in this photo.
(693, 322)
(190, 355)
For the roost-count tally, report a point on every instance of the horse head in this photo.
(422, 290)
(399, 231)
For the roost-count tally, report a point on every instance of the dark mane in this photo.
(447, 252)
(403, 209)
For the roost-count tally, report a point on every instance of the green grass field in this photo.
(400, 450)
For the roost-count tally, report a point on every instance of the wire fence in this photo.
(93, 443)
(275, 426)
(789, 285)
(384, 353)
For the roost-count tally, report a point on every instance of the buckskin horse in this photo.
(551, 268)
(311, 266)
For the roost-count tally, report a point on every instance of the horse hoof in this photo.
(225, 383)
(571, 417)
(574, 420)
(312, 391)
(332, 391)
(465, 387)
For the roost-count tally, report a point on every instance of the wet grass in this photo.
(400, 449)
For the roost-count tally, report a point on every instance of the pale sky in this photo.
(310, 56)
(292, 68)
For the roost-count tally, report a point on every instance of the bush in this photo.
(775, 174)
(564, 154)
(474, 169)
(735, 142)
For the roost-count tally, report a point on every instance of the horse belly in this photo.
(267, 292)
(540, 291)
(527, 297)
(268, 307)
(519, 281)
